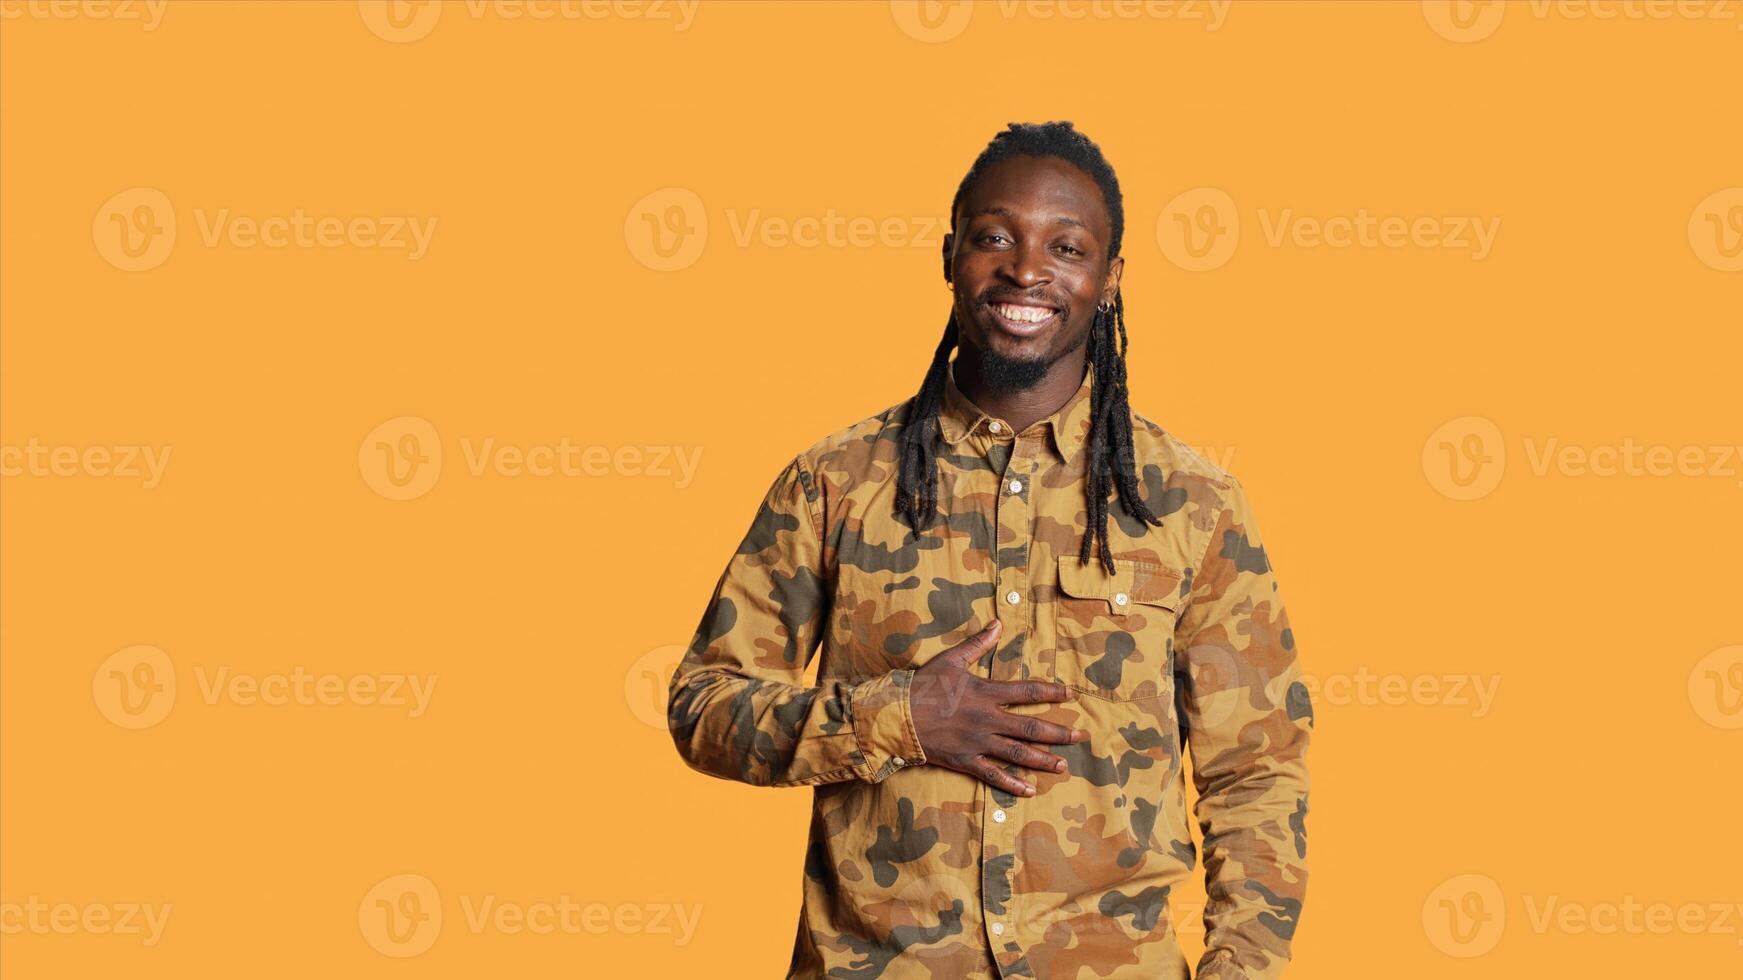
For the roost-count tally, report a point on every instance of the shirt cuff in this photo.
(883, 725)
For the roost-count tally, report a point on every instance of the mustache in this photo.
(1032, 299)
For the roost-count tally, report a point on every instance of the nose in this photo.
(1027, 265)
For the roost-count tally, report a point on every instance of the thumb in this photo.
(976, 646)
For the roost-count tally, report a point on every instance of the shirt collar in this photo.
(1070, 424)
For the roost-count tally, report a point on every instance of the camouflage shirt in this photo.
(915, 870)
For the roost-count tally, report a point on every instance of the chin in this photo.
(1011, 365)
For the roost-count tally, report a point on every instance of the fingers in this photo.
(1032, 729)
(995, 776)
(1026, 756)
(1032, 692)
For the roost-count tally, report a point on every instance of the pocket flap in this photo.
(1132, 581)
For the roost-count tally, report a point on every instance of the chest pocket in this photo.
(1114, 634)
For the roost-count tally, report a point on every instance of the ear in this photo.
(1111, 285)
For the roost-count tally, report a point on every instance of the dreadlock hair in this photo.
(1110, 432)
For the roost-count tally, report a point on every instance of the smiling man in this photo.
(1030, 600)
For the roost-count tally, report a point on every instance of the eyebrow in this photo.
(1002, 211)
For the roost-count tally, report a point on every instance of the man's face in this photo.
(1028, 262)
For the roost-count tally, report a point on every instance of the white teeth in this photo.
(1023, 314)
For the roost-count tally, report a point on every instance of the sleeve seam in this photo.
(807, 480)
(1210, 539)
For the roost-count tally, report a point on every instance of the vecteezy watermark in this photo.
(1222, 457)
(937, 21)
(402, 916)
(647, 682)
(120, 462)
(136, 687)
(1466, 457)
(401, 459)
(1631, 459)
(1716, 688)
(667, 229)
(137, 229)
(1200, 229)
(33, 916)
(1716, 229)
(1631, 917)
(1469, 21)
(1466, 916)
(831, 230)
(147, 13)
(1363, 688)
(404, 21)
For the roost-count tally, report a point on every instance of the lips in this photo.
(1023, 319)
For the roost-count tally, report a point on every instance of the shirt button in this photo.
(998, 816)
(1119, 598)
(1016, 486)
(995, 428)
(898, 761)
(998, 928)
(1012, 597)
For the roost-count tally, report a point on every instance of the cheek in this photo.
(1084, 289)
(1075, 332)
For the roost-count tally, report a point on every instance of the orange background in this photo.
(1358, 391)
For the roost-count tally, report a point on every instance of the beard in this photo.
(1003, 374)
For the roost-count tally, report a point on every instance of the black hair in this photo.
(1110, 435)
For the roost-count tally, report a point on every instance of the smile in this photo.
(1022, 318)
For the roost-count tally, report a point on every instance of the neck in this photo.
(1027, 406)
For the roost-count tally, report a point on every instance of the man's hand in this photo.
(962, 724)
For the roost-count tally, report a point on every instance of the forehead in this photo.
(1043, 189)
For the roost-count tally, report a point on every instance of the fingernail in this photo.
(1028, 790)
(1059, 766)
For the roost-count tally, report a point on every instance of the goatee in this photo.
(1001, 374)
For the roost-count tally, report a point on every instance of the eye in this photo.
(1072, 249)
(987, 238)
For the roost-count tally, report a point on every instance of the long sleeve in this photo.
(1248, 719)
(737, 706)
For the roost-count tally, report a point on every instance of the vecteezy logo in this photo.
(401, 458)
(135, 230)
(931, 21)
(1199, 229)
(1464, 21)
(1465, 458)
(646, 684)
(1465, 915)
(401, 916)
(1716, 230)
(1716, 687)
(399, 21)
(135, 687)
(667, 230)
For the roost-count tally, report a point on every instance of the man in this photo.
(1027, 596)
